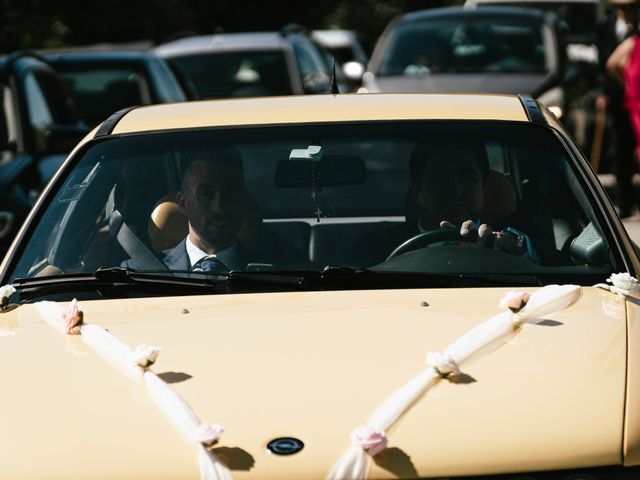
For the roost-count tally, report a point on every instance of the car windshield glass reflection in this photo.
(414, 197)
(468, 45)
(237, 74)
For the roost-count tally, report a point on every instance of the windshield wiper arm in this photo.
(110, 278)
(340, 277)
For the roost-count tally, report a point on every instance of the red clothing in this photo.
(632, 90)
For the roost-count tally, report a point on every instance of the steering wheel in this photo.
(426, 238)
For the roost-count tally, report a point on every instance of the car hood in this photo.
(512, 84)
(313, 366)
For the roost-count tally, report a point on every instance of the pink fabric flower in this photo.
(208, 434)
(514, 301)
(371, 439)
(145, 355)
(72, 318)
(443, 364)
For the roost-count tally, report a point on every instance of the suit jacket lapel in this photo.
(176, 258)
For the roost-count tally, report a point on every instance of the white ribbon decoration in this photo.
(5, 292)
(135, 364)
(621, 283)
(354, 464)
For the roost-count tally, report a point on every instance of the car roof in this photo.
(318, 109)
(469, 12)
(101, 56)
(223, 41)
(473, 2)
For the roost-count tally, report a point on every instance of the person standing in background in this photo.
(611, 33)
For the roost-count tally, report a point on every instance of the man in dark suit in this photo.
(216, 204)
(213, 197)
(448, 180)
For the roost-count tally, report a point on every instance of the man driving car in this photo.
(448, 186)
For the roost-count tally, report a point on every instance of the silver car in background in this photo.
(253, 64)
(457, 50)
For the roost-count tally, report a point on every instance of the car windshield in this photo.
(237, 74)
(581, 17)
(467, 44)
(386, 197)
(98, 92)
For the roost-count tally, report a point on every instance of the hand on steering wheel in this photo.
(483, 236)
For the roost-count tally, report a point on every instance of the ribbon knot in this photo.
(145, 355)
(443, 364)
(208, 433)
(371, 439)
(514, 301)
(73, 318)
(5, 292)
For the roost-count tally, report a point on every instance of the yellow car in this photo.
(340, 286)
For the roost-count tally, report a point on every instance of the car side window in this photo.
(307, 59)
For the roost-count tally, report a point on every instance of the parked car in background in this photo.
(38, 127)
(580, 16)
(334, 342)
(345, 47)
(580, 19)
(102, 82)
(488, 50)
(231, 65)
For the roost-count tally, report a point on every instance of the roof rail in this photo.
(109, 124)
(533, 109)
(17, 54)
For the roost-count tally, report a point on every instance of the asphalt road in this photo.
(632, 223)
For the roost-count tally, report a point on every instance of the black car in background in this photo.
(102, 82)
(38, 128)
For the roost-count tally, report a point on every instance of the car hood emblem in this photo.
(285, 446)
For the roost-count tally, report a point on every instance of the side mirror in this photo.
(353, 71)
(59, 139)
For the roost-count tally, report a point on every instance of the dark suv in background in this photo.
(38, 128)
(102, 82)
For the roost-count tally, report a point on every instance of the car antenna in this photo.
(334, 83)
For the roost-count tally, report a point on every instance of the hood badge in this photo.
(285, 446)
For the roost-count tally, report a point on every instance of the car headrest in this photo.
(500, 200)
(168, 223)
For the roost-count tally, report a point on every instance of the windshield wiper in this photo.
(114, 281)
(348, 278)
(124, 282)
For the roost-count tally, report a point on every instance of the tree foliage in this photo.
(54, 24)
